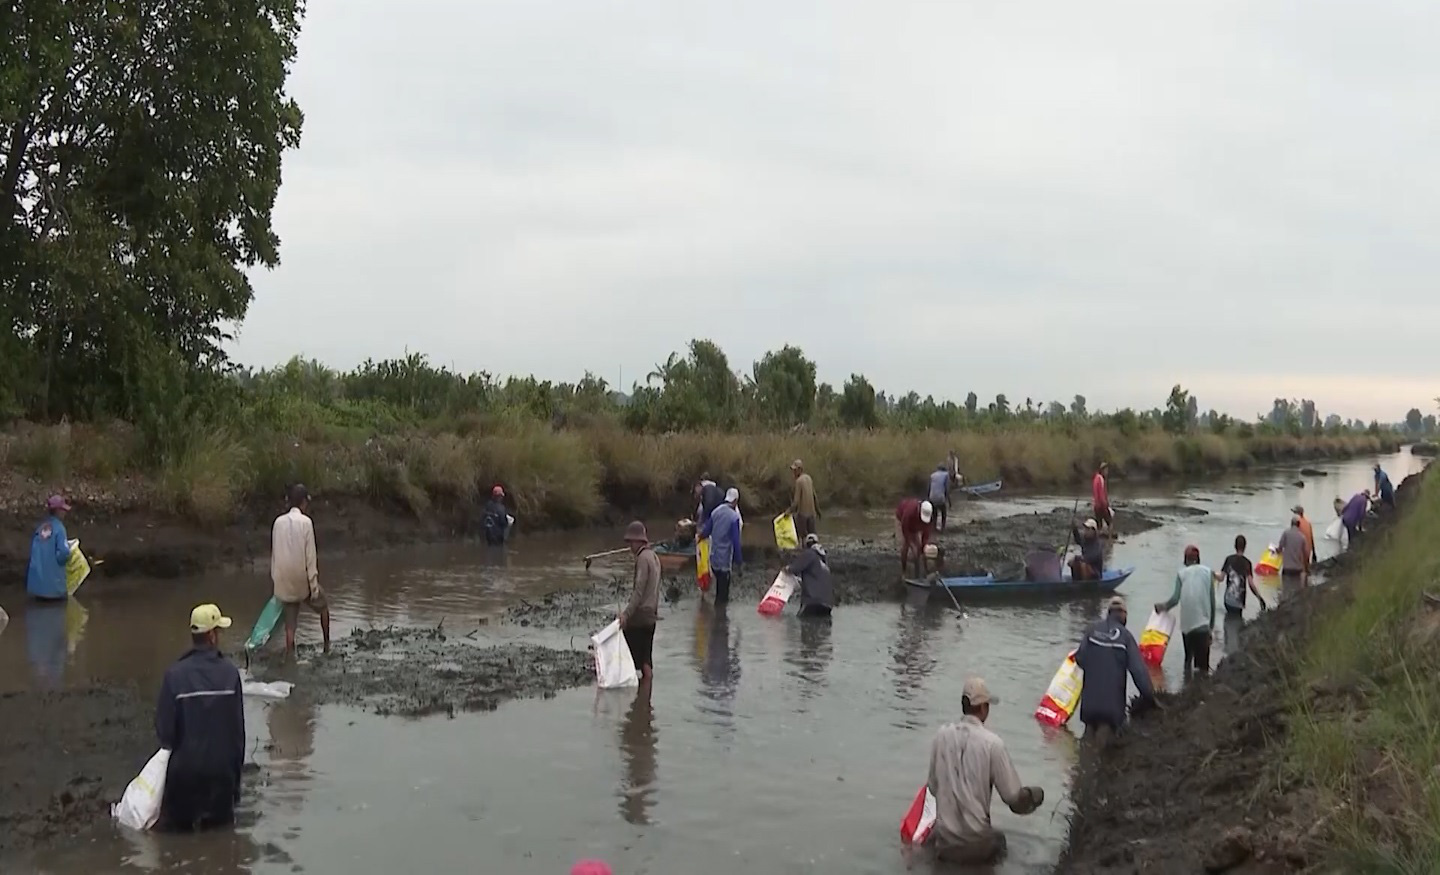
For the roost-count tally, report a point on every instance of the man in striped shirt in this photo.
(200, 719)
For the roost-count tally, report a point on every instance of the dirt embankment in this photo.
(1200, 786)
(416, 672)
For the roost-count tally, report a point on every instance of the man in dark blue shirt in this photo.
(200, 719)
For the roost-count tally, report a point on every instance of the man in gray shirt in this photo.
(967, 762)
(940, 495)
(640, 614)
(1294, 557)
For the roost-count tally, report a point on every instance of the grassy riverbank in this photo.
(1373, 749)
(1312, 748)
(572, 476)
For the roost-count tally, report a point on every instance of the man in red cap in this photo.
(49, 553)
(497, 518)
(1195, 594)
(640, 614)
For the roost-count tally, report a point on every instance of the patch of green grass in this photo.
(1378, 761)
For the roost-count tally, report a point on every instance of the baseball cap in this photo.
(1091, 524)
(812, 539)
(1192, 551)
(796, 464)
(927, 511)
(1298, 510)
(57, 502)
(1116, 603)
(207, 617)
(732, 495)
(978, 693)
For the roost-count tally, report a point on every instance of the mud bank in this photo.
(67, 755)
(1201, 786)
(416, 672)
(863, 570)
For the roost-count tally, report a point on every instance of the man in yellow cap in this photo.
(200, 719)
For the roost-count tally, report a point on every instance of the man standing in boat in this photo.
(1100, 498)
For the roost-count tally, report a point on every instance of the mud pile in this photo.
(66, 756)
(414, 672)
(863, 570)
(1199, 786)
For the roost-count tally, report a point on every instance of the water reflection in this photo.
(291, 724)
(911, 659)
(808, 651)
(46, 630)
(719, 662)
(637, 747)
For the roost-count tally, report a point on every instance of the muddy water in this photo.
(767, 744)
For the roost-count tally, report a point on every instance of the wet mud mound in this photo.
(66, 757)
(1201, 786)
(863, 570)
(415, 672)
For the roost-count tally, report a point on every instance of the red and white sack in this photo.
(919, 820)
(1063, 695)
(1156, 636)
(778, 595)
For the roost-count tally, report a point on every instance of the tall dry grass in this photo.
(1378, 760)
(571, 476)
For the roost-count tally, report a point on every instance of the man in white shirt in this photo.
(293, 568)
(967, 761)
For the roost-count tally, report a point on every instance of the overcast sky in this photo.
(1040, 199)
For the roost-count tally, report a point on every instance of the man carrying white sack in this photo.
(200, 719)
(967, 761)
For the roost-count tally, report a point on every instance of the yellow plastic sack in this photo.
(1270, 562)
(77, 568)
(702, 564)
(785, 537)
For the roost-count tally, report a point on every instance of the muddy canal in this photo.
(767, 744)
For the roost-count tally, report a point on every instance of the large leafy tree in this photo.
(140, 147)
(782, 385)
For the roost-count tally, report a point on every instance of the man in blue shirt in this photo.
(722, 527)
(49, 551)
(940, 494)
(1383, 487)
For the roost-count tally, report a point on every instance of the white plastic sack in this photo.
(778, 595)
(271, 690)
(1336, 530)
(614, 666)
(139, 808)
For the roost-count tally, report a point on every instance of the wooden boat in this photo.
(674, 558)
(976, 588)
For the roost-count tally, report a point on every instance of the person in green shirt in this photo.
(1195, 594)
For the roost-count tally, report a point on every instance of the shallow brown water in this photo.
(767, 745)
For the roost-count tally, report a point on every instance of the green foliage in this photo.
(1179, 415)
(140, 148)
(857, 403)
(1414, 420)
(782, 385)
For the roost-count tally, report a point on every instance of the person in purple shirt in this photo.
(1352, 513)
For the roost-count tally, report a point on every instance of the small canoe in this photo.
(982, 488)
(975, 588)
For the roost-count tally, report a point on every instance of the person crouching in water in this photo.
(1090, 564)
(817, 593)
(200, 719)
(967, 763)
(1107, 653)
(912, 529)
(640, 614)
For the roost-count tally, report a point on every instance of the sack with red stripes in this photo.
(919, 820)
(1156, 636)
(778, 595)
(1062, 697)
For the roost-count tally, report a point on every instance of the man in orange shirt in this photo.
(1307, 531)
